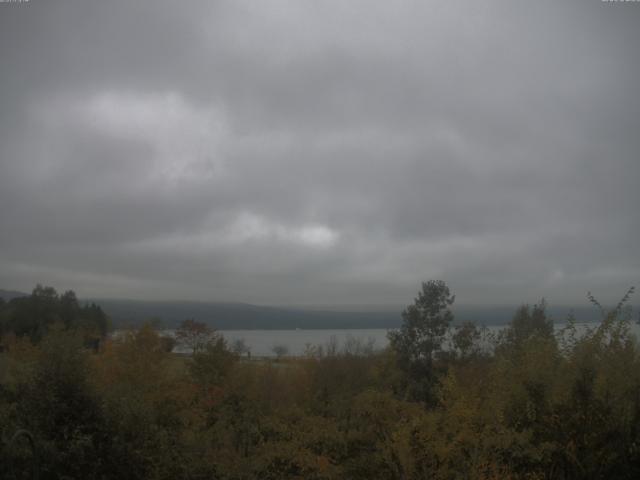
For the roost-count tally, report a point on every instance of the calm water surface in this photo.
(262, 342)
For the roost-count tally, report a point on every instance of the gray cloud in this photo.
(330, 152)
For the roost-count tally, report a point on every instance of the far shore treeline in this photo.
(125, 313)
(528, 402)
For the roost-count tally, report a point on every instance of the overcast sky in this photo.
(321, 152)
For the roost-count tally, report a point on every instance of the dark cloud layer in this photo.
(293, 152)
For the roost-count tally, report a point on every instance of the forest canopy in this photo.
(35, 314)
(443, 401)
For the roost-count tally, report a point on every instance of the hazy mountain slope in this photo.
(230, 316)
(9, 294)
(241, 316)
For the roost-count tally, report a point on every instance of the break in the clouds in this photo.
(320, 152)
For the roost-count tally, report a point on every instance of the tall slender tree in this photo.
(419, 340)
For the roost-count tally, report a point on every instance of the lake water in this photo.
(261, 342)
(296, 342)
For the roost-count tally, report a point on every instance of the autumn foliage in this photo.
(531, 403)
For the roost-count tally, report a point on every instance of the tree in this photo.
(60, 407)
(211, 364)
(528, 322)
(419, 340)
(4, 314)
(280, 350)
(35, 314)
(194, 335)
(619, 308)
(466, 340)
(93, 320)
(69, 309)
(240, 347)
